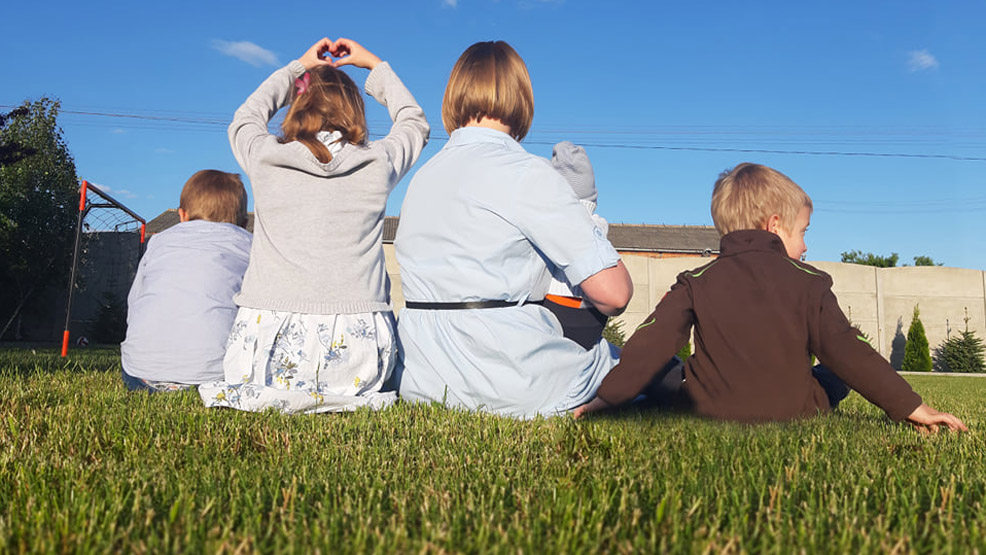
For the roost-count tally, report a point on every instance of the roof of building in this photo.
(665, 238)
(625, 237)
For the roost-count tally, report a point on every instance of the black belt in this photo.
(466, 305)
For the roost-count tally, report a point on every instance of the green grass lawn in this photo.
(86, 466)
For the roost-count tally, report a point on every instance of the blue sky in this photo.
(664, 94)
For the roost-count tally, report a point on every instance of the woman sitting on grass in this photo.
(478, 224)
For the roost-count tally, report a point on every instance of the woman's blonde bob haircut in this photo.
(489, 80)
(331, 103)
(746, 196)
(215, 196)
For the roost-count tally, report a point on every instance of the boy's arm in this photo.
(409, 133)
(249, 124)
(841, 348)
(651, 346)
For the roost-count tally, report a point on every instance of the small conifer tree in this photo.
(961, 354)
(917, 355)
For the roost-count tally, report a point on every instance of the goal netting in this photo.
(109, 241)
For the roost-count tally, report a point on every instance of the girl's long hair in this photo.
(331, 103)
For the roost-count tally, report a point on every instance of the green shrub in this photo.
(110, 325)
(685, 351)
(917, 354)
(614, 333)
(961, 354)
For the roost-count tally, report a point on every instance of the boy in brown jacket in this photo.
(759, 314)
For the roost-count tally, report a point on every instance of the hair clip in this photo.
(301, 84)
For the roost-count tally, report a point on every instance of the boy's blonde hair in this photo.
(489, 80)
(215, 196)
(746, 196)
(332, 102)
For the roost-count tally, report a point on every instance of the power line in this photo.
(220, 121)
(778, 151)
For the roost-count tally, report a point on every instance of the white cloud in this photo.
(124, 193)
(450, 3)
(920, 60)
(118, 131)
(162, 150)
(247, 51)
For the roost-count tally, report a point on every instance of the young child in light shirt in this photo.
(180, 307)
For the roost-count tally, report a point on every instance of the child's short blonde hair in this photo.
(489, 80)
(746, 196)
(215, 196)
(330, 102)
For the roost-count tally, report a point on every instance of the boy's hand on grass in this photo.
(592, 406)
(927, 419)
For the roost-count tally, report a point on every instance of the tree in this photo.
(917, 355)
(870, 259)
(922, 260)
(38, 205)
(961, 354)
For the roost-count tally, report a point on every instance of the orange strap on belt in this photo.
(570, 302)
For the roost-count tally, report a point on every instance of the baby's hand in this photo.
(927, 419)
(315, 56)
(350, 52)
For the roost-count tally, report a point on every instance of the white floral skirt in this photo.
(305, 362)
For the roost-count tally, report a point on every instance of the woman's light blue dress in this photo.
(478, 223)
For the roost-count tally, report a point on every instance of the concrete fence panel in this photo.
(879, 301)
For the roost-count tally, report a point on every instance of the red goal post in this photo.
(99, 213)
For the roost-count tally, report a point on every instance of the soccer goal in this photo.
(109, 241)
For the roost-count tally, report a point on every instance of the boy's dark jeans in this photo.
(834, 387)
(663, 389)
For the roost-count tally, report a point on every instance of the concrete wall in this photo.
(878, 300)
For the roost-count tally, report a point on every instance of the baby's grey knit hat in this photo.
(572, 163)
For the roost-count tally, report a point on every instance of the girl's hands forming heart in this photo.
(349, 52)
(316, 55)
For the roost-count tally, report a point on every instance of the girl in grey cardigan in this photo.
(315, 330)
